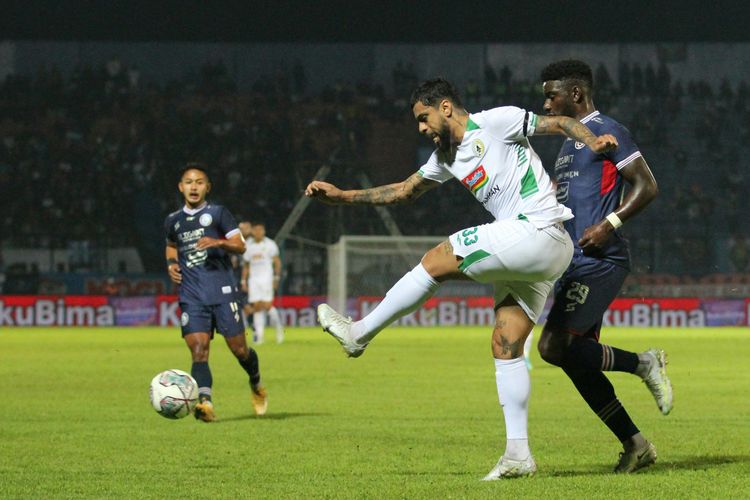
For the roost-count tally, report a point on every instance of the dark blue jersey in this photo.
(590, 185)
(207, 276)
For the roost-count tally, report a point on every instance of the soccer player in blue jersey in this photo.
(200, 238)
(592, 186)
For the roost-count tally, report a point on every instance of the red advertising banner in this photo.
(163, 310)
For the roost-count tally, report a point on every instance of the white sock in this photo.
(528, 345)
(275, 319)
(404, 297)
(513, 390)
(259, 322)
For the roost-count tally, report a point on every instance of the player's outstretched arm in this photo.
(643, 190)
(570, 127)
(400, 192)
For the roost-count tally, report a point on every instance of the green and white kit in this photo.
(526, 249)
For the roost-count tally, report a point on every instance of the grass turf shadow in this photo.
(271, 416)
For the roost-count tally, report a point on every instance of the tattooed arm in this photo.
(400, 192)
(576, 130)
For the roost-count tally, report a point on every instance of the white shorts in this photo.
(260, 290)
(520, 259)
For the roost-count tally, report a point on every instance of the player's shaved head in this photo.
(432, 92)
(195, 165)
(570, 72)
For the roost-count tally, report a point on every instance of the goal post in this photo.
(371, 265)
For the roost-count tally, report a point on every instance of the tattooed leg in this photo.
(512, 326)
(442, 265)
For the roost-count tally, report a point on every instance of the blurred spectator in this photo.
(490, 79)
(739, 253)
(101, 148)
(473, 94)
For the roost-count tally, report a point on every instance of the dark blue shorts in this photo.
(222, 318)
(240, 297)
(582, 296)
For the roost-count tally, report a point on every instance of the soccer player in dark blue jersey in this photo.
(592, 186)
(200, 238)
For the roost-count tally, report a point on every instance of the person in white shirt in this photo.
(260, 279)
(522, 252)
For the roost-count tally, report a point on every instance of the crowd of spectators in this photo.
(94, 156)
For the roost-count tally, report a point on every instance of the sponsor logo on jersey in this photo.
(490, 194)
(475, 180)
(206, 220)
(177, 225)
(597, 120)
(477, 147)
(562, 192)
(570, 174)
(579, 145)
(184, 319)
(196, 258)
(563, 161)
(195, 234)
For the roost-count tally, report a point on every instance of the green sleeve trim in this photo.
(528, 183)
(472, 258)
(420, 172)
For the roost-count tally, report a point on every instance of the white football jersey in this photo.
(259, 255)
(497, 164)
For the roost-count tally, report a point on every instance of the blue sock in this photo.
(202, 375)
(252, 366)
(599, 393)
(586, 353)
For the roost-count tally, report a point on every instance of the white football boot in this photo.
(508, 468)
(657, 381)
(340, 328)
(636, 459)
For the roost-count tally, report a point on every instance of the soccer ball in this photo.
(173, 393)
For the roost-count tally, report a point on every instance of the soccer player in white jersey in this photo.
(522, 252)
(260, 279)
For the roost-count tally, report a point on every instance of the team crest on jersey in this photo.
(475, 180)
(579, 145)
(184, 319)
(206, 220)
(477, 147)
(177, 225)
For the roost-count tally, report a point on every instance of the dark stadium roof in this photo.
(379, 21)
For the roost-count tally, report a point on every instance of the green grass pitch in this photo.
(416, 417)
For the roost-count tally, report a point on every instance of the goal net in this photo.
(368, 266)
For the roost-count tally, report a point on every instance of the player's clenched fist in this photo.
(604, 143)
(174, 273)
(324, 191)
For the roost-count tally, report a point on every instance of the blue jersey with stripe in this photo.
(207, 276)
(590, 185)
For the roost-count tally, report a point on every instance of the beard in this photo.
(445, 138)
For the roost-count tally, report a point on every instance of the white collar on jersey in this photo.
(589, 117)
(193, 211)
